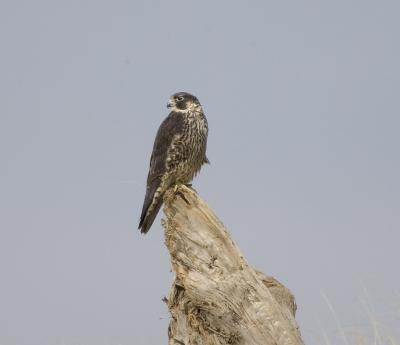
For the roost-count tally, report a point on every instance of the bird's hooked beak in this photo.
(169, 104)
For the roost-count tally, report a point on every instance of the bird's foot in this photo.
(178, 185)
(180, 193)
(189, 185)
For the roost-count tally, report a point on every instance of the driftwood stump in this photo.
(217, 297)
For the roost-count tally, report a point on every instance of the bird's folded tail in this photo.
(152, 203)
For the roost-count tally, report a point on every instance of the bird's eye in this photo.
(179, 98)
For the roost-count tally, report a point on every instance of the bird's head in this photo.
(183, 102)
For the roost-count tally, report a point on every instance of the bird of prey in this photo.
(179, 151)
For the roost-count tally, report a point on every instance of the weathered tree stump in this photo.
(217, 297)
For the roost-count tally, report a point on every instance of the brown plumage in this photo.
(179, 151)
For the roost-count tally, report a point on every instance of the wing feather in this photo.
(172, 126)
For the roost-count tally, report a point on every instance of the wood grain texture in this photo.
(217, 297)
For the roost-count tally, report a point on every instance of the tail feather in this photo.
(151, 206)
(147, 221)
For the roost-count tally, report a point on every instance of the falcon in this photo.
(179, 151)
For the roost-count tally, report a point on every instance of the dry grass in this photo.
(372, 325)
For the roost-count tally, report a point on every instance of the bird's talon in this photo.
(183, 197)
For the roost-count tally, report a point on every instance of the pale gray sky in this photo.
(302, 99)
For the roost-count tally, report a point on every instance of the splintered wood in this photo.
(217, 298)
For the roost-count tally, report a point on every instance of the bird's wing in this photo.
(169, 129)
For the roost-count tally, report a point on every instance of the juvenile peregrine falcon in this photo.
(179, 151)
